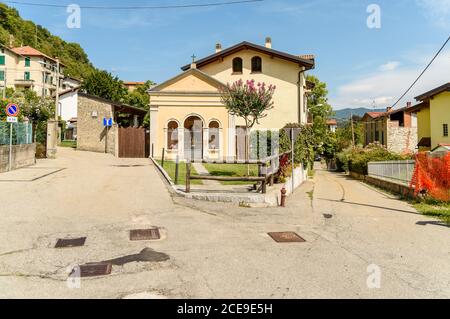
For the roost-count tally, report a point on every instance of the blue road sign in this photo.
(12, 110)
(107, 122)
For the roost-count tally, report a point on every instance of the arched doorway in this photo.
(193, 138)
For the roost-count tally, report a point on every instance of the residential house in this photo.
(395, 129)
(433, 117)
(332, 125)
(131, 86)
(70, 83)
(186, 112)
(85, 114)
(28, 68)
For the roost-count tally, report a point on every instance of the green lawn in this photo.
(232, 170)
(440, 210)
(72, 144)
(169, 167)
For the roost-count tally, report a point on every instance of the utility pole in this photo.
(57, 90)
(353, 130)
(4, 82)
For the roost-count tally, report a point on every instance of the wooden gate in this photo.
(133, 142)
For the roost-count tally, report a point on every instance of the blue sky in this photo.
(359, 65)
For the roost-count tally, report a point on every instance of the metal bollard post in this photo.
(162, 158)
(177, 164)
(283, 197)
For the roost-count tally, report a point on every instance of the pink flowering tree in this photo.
(249, 101)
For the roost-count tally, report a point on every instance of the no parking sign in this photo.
(12, 110)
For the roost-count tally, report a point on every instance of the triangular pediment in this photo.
(192, 80)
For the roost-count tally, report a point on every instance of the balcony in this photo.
(23, 82)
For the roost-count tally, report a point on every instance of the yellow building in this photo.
(28, 68)
(187, 117)
(433, 117)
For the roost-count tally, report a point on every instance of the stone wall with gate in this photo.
(92, 135)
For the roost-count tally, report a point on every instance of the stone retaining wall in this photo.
(22, 155)
(390, 186)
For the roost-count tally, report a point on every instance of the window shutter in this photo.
(2, 60)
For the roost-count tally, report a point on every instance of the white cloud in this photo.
(390, 66)
(437, 10)
(386, 86)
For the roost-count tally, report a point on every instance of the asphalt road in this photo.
(354, 235)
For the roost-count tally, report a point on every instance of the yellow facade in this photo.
(196, 95)
(439, 115)
(433, 116)
(41, 76)
(423, 125)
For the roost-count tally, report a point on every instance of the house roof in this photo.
(416, 108)
(425, 142)
(308, 63)
(133, 83)
(436, 91)
(30, 51)
(374, 115)
(118, 107)
(74, 89)
(331, 122)
(195, 71)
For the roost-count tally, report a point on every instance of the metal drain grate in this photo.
(70, 242)
(145, 234)
(286, 237)
(95, 269)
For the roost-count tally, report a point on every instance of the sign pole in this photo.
(10, 147)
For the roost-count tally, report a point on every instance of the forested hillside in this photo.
(21, 32)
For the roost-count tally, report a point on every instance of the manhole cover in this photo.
(145, 234)
(70, 242)
(286, 237)
(93, 270)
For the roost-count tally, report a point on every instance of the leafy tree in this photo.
(320, 111)
(249, 101)
(103, 84)
(344, 134)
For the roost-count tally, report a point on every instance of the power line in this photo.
(418, 78)
(179, 6)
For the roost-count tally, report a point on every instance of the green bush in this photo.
(356, 160)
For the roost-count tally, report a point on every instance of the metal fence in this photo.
(22, 133)
(397, 171)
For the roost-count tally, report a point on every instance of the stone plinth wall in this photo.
(22, 155)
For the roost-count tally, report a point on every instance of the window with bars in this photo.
(445, 129)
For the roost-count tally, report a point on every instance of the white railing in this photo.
(396, 171)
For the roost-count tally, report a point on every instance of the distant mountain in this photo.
(346, 113)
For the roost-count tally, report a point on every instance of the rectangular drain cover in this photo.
(145, 234)
(286, 237)
(93, 270)
(70, 242)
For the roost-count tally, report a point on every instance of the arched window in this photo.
(172, 135)
(256, 64)
(237, 65)
(213, 139)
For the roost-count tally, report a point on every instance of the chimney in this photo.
(408, 104)
(218, 47)
(269, 42)
(388, 109)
